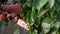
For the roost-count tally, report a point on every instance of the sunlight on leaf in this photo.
(40, 3)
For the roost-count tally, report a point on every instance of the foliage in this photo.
(43, 15)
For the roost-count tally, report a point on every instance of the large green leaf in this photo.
(55, 28)
(46, 24)
(42, 12)
(29, 3)
(47, 20)
(40, 3)
(52, 2)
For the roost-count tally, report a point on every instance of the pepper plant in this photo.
(43, 16)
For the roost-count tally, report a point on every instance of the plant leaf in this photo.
(40, 3)
(52, 2)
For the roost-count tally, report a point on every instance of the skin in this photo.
(13, 11)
